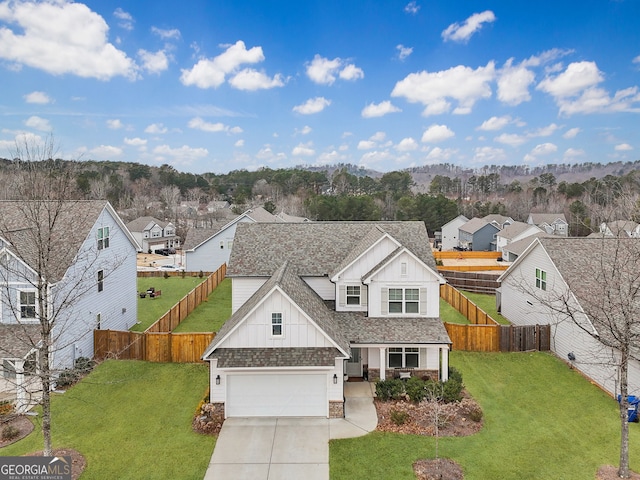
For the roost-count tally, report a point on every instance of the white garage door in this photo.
(277, 395)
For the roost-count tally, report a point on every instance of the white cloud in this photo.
(623, 147)
(61, 38)
(172, 34)
(544, 131)
(306, 130)
(571, 133)
(407, 145)
(571, 153)
(577, 77)
(184, 155)
(330, 158)
(403, 52)
(636, 59)
(323, 71)
(370, 159)
(366, 145)
(495, 123)
(373, 142)
(378, 110)
(513, 83)
(511, 139)
(105, 152)
(250, 79)
(239, 143)
(211, 73)
(125, 19)
(304, 150)
(135, 142)
(437, 154)
(433, 89)
(489, 155)
(462, 33)
(412, 7)
(156, 129)
(198, 123)
(437, 133)
(154, 62)
(115, 124)
(540, 150)
(311, 106)
(40, 98)
(38, 123)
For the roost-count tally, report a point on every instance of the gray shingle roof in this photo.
(548, 218)
(316, 248)
(18, 340)
(139, 224)
(513, 230)
(276, 357)
(361, 329)
(197, 236)
(519, 246)
(18, 220)
(475, 224)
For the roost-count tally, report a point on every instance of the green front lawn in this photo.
(450, 314)
(488, 304)
(542, 421)
(173, 289)
(131, 420)
(211, 314)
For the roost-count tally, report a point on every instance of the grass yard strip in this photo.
(542, 420)
(173, 289)
(131, 420)
(488, 304)
(210, 315)
(450, 314)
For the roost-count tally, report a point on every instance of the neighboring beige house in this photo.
(153, 234)
(512, 233)
(551, 223)
(315, 303)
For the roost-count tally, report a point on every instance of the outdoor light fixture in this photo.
(571, 356)
(218, 380)
(335, 378)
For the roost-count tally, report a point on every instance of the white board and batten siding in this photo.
(367, 261)
(242, 288)
(322, 286)
(417, 276)
(521, 308)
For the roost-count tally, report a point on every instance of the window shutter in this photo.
(423, 301)
(342, 295)
(364, 291)
(384, 307)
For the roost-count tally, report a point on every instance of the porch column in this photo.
(383, 363)
(444, 364)
(21, 397)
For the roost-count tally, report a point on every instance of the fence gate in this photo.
(523, 338)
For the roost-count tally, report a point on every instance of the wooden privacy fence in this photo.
(465, 255)
(157, 343)
(176, 314)
(466, 307)
(153, 347)
(499, 338)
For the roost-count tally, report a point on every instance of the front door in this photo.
(354, 364)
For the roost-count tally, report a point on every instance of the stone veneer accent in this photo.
(336, 409)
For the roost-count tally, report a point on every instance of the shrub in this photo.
(200, 274)
(475, 413)
(84, 365)
(399, 417)
(6, 408)
(455, 374)
(416, 389)
(391, 389)
(166, 274)
(10, 432)
(452, 391)
(66, 378)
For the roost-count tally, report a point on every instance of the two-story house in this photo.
(84, 262)
(153, 234)
(551, 223)
(315, 303)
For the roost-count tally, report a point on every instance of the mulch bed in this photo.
(438, 469)
(78, 462)
(209, 420)
(20, 422)
(609, 472)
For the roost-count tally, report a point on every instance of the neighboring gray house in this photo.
(314, 303)
(91, 282)
(153, 234)
(512, 233)
(555, 269)
(206, 249)
(498, 220)
(477, 234)
(450, 232)
(551, 223)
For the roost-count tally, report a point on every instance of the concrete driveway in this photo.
(286, 447)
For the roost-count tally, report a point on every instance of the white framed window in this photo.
(403, 269)
(103, 238)
(146, 234)
(404, 357)
(100, 280)
(404, 300)
(169, 232)
(155, 233)
(27, 305)
(541, 279)
(98, 321)
(276, 324)
(353, 294)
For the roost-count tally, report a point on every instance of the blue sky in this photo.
(213, 86)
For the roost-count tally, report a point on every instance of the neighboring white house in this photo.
(620, 228)
(513, 250)
(91, 282)
(153, 234)
(450, 238)
(315, 302)
(541, 276)
(551, 223)
(206, 249)
(512, 233)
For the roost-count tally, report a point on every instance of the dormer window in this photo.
(353, 294)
